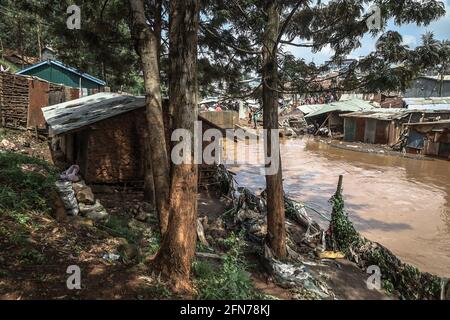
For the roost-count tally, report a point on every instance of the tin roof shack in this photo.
(104, 135)
(23, 97)
(328, 115)
(57, 72)
(439, 103)
(429, 138)
(380, 126)
(384, 126)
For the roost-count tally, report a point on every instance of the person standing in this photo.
(255, 120)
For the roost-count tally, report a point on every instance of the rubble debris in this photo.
(293, 123)
(250, 214)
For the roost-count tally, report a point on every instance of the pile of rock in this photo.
(78, 199)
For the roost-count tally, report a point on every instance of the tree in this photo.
(174, 258)
(276, 232)
(434, 55)
(148, 47)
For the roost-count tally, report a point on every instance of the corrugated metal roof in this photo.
(430, 107)
(342, 106)
(388, 114)
(62, 65)
(430, 100)
(309, 108)
(75, 114)
(439, 122)
(379, 113)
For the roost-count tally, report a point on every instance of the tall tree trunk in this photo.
(39, 41)
(149, 183)
(276, 233)
(148, 47)
(177, 250)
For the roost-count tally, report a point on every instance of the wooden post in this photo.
(339, 186)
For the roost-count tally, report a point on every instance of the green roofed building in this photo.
(328, 116)
(57, 72)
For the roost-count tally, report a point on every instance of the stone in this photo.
(94, 212)
(97, 215)
(78, 186)
(86, 196)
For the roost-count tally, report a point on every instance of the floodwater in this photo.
(401, 203)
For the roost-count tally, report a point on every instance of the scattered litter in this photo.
(331, 255)
(111, 257)
(71, 174)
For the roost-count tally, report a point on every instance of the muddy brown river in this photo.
(401, 203)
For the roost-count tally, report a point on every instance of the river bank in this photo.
(401, 203)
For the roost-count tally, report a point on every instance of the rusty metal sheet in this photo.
(38, 98)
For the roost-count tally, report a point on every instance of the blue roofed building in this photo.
(57, 72)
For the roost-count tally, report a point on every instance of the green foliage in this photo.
(22, 190)
(157, 291)
(405, 279)
(344, 233)
(154, 245)
(32, 257)
(230, 281)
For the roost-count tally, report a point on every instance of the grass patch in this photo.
(32, 257)
(22, 190)
(118, 227)
(230, 281)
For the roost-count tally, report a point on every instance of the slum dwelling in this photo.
(326, 117)
(402, 129)
(104, 135)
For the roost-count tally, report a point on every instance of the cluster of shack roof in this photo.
(421, 126)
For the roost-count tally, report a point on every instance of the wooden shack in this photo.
(22, 98)
(103, 134)
(429, 138)
(384, 126)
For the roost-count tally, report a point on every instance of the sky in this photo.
(411, 36)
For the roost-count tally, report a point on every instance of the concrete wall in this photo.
(222, 119)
